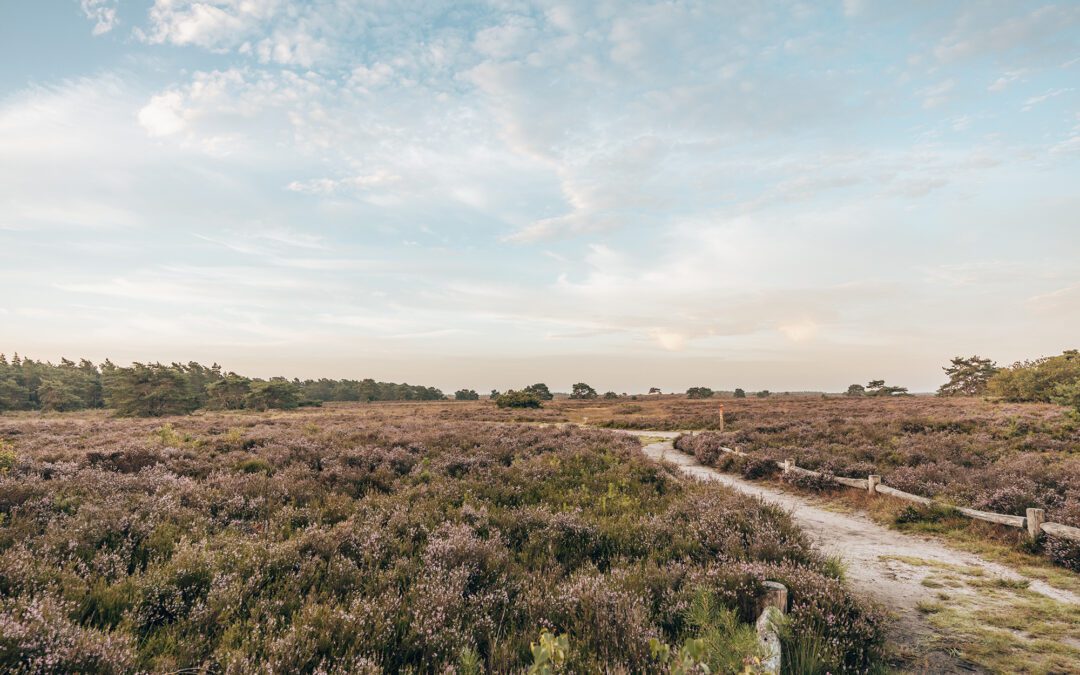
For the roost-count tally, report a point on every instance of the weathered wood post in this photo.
(788, 463)
(774, 606)
(872, 482)
(721, 417)
(1035, 519)
(776, 595)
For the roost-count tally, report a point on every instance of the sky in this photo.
(781, 195)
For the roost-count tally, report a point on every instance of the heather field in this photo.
(427, 537)
(993, 456)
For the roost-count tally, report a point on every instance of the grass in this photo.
(998, 624)
(1011, 631)
(996, 543)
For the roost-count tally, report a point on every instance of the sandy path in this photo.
(870, 552)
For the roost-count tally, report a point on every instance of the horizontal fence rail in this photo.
(1032, 522)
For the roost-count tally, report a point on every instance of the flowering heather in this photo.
(1000, 457)
(372, 539)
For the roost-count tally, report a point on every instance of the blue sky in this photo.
(775, 195)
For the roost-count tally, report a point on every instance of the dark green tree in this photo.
(148, 390)
(879, 388)
(56, 395)
(228, 393)
(967, 377)
(466, 395)
(1067, 394)
(856, 390)
(276, 393)
(541, 390)
(13, 396)
(582, 391)
(699, 392)
(740, 393)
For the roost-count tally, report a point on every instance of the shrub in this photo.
(759, 467)
(817, 482)
(8, 457)
(1038, 380)
(36, 636)
(1064, 552)
(518, 399)
(276, 393)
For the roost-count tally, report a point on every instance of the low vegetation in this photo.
(364, 540)
(998, 457)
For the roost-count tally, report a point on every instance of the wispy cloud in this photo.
(527, 180)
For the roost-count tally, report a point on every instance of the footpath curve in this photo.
(885, 565)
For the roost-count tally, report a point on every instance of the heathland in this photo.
(459, 535)
(389, 538)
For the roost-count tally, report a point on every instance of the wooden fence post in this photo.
(1035, 519)
(774, 606)
(776, 595)
(721, 417)
(872, 482)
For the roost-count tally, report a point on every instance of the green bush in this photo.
(1040, 380)
(8, 457)
(518, 399)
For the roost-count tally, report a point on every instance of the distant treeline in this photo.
(155, 389)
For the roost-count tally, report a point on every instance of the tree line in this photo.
(156, 389)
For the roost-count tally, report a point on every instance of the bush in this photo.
(818, 482)
(1064, 552)
(36, 636)
(759, 467)
(518, 399)
(8, 457)
(1039, 380)
(276, 393)
(699, 392)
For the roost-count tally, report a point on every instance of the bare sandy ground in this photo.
(871, 553)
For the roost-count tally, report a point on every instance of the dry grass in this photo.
(999, 625)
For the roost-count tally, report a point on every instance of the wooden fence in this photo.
(1034, 522)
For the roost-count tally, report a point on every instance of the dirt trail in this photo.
(874, 557)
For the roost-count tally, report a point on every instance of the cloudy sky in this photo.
(791, 195)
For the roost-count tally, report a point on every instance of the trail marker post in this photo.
(721, 417)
